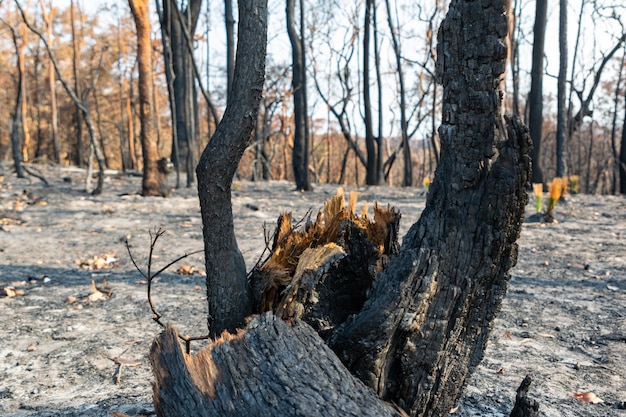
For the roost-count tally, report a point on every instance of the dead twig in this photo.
(271, 239)
(149, 276)
(121, 362)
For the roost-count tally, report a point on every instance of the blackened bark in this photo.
(524, 406)
(424, 327)
(622, 158)
(78, 115)
(380, 175)
(535, 97)
(17, 127)
(229, 21)
(300, 156)
(370, 169)
(228, 293)
(266, 370)
(561, 166)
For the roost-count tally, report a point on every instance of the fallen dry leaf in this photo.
(197, 288)
(108, 260)
(588, 397)
(508, 335)
(8, 292)
(186, 270)
(454, 410)
(31, 348)
(71, 300)
(96, 296)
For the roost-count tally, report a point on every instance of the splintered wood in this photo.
(309, 266)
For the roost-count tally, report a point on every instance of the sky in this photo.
(279, 48)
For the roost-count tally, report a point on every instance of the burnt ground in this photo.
(563, 321)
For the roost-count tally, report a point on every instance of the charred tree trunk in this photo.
(300, 155)
(535, 97)
(423, 328)
(17, 126)
(227, 288)
(79, 157)
(182, 95)
(380, 174)
(371, 172)
(561, 137)
(229, 21)
(622, 158)
(283, 376)
(152, 182)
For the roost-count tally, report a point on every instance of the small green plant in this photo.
(574, 184)
(556, 190)
(538, 192)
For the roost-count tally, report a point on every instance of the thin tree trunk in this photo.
(79, 159)
(130, 119)
(615, 169)
(23, 113)
(622, 156)
(570, 103)
(175, 24)
(152, 182)
(407, 179)
(165, 21)
(17, 132)
(41, 150)
(54, 117)
(300, 157)
(122, 91)
(379, 85)
(589, 157)
(370, 168)
(228, 293)
(561, 139)
(535, 97)
(229, 21)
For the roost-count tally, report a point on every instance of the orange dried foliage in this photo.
(588, 397)
(289, 243)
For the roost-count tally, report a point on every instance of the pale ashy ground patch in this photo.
(563, 321)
